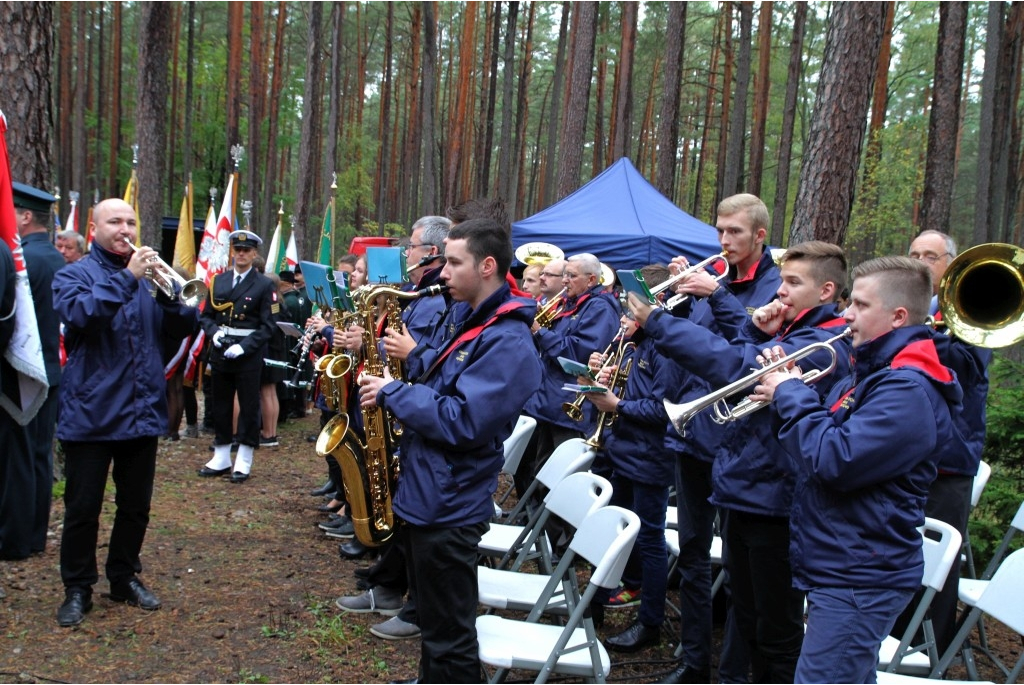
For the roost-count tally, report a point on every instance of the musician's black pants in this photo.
(442, 577)
(86, 468)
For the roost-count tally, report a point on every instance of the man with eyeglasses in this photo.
(949, 496)
(586, 324)
(239, 319)
(551, 280)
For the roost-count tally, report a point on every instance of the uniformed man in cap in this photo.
(28, 492)
(239, 320)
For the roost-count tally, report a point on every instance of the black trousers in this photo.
(246, 383)
(767, 608)
(442, 576)
(86, 470)
(40, 435)
(696, 530)
(391, 571)
(16, 491)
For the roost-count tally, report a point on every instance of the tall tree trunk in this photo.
(829, 173)
(233, 108)
(485, 141)
(624, 82)
(173, 188)
(738, 117)
(707, 152)
(515, 201)
(986, 122)
(548, 181)
(1000, 204)
(115, 104)
(26, 48)
(601, 144)
(65, 69)
(1015, 163)
(383, 166)
(940, 167)
(430, 185)
(273, 183)
(411, 208)
(151, 113)
(727, 102)
(796, 50)
(668, 116)
(506, 149)
(256, 184)
(575, 124)
(79, 90)
(460, 110)
(311, 104)
(190, 57)
(762, 86)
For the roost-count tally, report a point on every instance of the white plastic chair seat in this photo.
(672, 540)
(499, 538)
(915, 663)
(515, 644)
(512, 590)
(672, 517)
(970, 590)
(900, 679)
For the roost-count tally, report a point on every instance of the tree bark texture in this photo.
(26, 46)
(738, 116)
(762, 86)
(796, 53)
(940, 166)
(624, 82)
(429, 197)
(311, 106)
(575, 124)
(829, 172)
(668, 115)
(151, 113)
(550, 165)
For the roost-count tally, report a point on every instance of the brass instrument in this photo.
(547, 312)
(981, 295)
(680, 414)
(369, 470)
(192, 292)
(616, 385)
(574, 409)
(538, 253)
(667, 284)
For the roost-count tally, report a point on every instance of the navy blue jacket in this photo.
(42, 260)
(865, 461)
(585, 328)
(970, 364)
(723, 313)
(457, 417)
(113, 386)
(641, 444)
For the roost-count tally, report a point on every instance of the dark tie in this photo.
(238, 279)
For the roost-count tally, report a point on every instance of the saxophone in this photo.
(369, 470)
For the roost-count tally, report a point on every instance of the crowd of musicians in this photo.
(817, 488)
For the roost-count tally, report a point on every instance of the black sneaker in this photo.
(341, 521)
(269, 442)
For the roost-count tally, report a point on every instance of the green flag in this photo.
(326, 255)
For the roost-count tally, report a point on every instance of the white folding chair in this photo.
(1001, 598)
(504, 539)
(572, 500)
(515, 447)
(902, 655)
(978, 487)
(605, 539)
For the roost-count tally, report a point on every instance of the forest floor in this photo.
(248, 585)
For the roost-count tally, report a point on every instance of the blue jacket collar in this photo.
(108, 258)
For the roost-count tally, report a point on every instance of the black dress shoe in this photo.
(134, 593)
(239, 477)
(322, 490)
(330, 508)
(77, 604)
(688, 674)
(353, 549)
(635, 638)
(207, 472)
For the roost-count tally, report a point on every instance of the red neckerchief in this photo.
(569, 312)
(471, 334)
(751, 272)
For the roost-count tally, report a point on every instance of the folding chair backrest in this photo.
(571, 456)
(605, 539)
(516, 443)
(980, 481)
(1016, 526)
(577, 495)
(940, 554)
(1003, 599)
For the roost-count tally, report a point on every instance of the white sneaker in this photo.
(395, 629)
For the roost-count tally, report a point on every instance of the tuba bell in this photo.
(538, 253)
(981, 295)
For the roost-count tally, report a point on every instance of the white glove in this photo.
(233, 351)
(217, 338)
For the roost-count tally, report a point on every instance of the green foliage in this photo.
(991, 518)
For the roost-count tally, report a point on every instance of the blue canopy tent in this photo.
(623, 220)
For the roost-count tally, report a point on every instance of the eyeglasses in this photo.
(548, 274)
(414, 245)
(572, 276)
(929, 257)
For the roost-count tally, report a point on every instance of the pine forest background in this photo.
(859, 123)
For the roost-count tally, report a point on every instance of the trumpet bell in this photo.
(193, 293)
(607, 276)
(982, 295)
(573, 410)
(538, 253)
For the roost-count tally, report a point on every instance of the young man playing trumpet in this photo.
(865, 457)
(752, 482)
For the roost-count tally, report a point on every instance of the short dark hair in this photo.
(655, 274)
(485, 238)
(481, 208)
(347, 259)
(904, 282)
(827, 262)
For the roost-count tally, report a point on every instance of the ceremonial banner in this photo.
(274, 254)
(326, 256)
(291, 255)
(21, 399)
(184, 242)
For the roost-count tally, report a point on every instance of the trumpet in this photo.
(673, 302)
(546, 314)
(574, 409)
(164, 277)
(616, 384)
(680, 414)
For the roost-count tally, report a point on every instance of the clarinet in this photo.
(307, 340)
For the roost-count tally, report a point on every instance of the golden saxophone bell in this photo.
(538, 253)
